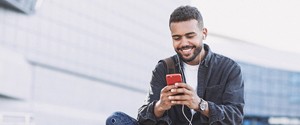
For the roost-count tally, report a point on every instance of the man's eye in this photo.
(190, 36)
(176, 38)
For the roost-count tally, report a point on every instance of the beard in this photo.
(194, 54)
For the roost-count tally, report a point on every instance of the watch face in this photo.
(202, 106)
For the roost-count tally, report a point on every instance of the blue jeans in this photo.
(120, 118)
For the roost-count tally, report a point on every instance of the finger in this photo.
(167, 88)
(181, 90)
(180, 103)
(169, 93)
(189, 87)
(180, 98)
(180, 85)
(165, 96)
(183, 85)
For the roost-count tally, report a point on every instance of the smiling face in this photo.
(187, 40)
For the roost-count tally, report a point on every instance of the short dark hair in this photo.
(186, 13)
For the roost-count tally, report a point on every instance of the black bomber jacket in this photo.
(220, 83)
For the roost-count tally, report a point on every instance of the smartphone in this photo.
(173, 78)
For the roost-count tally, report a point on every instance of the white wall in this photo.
(15, 75)
(270, 23)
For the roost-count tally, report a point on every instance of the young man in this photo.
(212, 91)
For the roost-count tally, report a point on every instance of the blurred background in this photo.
(75, 62)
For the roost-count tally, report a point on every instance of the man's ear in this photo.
(204, 32)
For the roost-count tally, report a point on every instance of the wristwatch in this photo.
(202, 105)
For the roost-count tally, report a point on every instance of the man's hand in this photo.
(180, 93)
(164, 103)
(188, 98)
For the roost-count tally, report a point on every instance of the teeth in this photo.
(186, 51)
(186, 48)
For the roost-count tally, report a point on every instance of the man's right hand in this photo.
(164, 103)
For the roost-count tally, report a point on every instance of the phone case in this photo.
(173, 78)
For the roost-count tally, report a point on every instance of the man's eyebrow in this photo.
(190, 33)
(176, 36)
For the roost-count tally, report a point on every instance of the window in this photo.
(26, 6)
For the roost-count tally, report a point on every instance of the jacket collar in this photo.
(207, 56)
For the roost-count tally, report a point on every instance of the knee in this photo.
(117, 118)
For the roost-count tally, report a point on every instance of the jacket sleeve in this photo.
(231, 109)
(146, 112)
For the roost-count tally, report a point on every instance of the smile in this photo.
(187, 50)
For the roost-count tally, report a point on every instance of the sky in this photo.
(270, 23)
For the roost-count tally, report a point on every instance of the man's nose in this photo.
(184, 41)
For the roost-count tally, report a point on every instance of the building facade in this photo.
(86, 59)
(272, 80)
